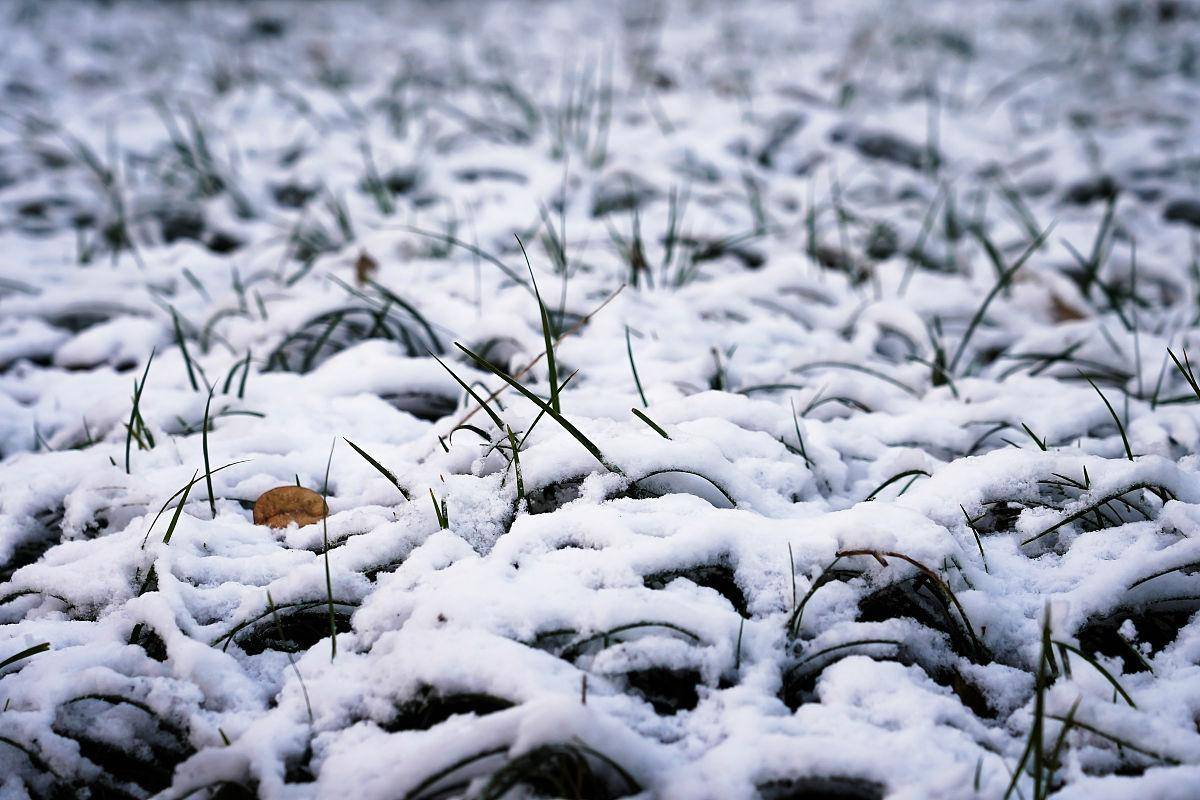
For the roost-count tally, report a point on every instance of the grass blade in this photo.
(633, 366)
(1116, 419)
(384, 471)
(657, 428)
(212, 503)
(1001, 282)
(26, 653)
(474, 396)
(587, 443)
(325, 542)
(179, 509)
(547, 333)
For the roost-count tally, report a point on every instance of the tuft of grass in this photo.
(441, 511)
(186, 488)
(150, 576)
(558, 770)
(136, 427)
(587, 443)
(575, 648)
(1041, 443)
(1002, 281)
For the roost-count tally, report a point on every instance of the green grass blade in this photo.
(26, 653)
(474, 396)
(633, 366)
(1001, 282)
(179, 509)
(547, 333)
(325, 542)
(587, 443)
(384, 471)
(657, 428)
(212, 503)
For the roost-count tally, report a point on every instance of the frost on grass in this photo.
(903, 295)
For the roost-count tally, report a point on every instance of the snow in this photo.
(831, 578)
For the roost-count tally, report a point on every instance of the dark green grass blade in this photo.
(547, 333)
(179, 509)
(135, 413)
(26, 653)
(384, 471)
(1001, 282)
(1116, 419)
(633, 366)
(212, 503)
(474, 396)
(657, 428)
(325, 542)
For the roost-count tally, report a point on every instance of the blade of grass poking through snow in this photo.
(1116, 419)
(1107, 675)
(978, 540)
(1001, 282)
(136, 414)
(325, 543)
(137, 629)
(654, 425)
(486, 256)
(212, 503)
(633, 366)
(915, 473)
(799, 436)
(179, 509)
(471, 392)
(587, 443)
(702, 476)
(440, 511)
(1034, 744)
(186, 488)
(290, 657)
(533, 362)
(1185, 369)
(516, 460)
(187, 359)
(26, 653)
(245, 374)
(384, 471)
(547, 333)
(980, 651)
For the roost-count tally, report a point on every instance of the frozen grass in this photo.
(767, 400)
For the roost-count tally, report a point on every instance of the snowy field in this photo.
(839, 432)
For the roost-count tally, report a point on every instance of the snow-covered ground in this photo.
(872, 475)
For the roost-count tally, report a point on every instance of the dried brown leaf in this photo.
(284, 505)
